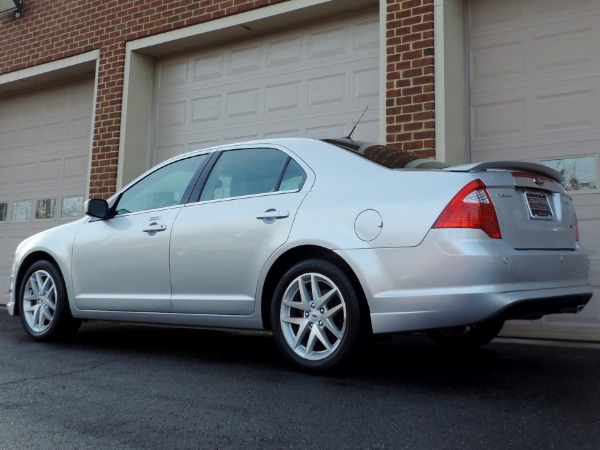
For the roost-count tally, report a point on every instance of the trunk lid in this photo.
(534, 211)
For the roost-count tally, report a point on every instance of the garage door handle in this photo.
(273, 214)
(154, 227)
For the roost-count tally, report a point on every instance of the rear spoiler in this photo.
(509, 165)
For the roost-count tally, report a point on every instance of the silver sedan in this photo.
(324, 242)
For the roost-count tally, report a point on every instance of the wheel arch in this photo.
(24, 266)
(292, 256)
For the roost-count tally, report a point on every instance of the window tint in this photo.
(244, 172)
(293, 178)
(162, 188)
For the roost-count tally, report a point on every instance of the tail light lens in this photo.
(471, 208)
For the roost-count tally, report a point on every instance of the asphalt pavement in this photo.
(123, 386)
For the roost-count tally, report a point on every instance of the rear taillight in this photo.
(576, 225)
(471, 208)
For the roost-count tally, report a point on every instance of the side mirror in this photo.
(96, 207)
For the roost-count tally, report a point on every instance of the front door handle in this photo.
(273, 214)
(154, 228)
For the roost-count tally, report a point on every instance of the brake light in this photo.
(532, 176)
(471, 208)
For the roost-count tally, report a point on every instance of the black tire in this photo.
(313, 336)
(467, 337)
(43, 304)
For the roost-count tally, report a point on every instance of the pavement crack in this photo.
(53, 375)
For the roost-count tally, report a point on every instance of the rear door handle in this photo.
(273, 214)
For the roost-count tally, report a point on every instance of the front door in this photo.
(122, 263)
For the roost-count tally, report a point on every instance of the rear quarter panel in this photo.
(408, 201)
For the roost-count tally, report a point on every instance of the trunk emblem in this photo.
(538, 181)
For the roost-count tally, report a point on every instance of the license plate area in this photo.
(538, 205)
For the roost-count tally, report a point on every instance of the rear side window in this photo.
(387, 156)
(252, 171)
(293, 177)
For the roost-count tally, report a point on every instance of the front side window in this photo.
(162, 188)
(250, 172)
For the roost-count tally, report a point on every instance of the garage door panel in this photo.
(172, 75)
(524, 116)
(162, 153)
(295, 83)
(78, 130)
(497, 120)
(535, 96)
(29, 137)
(312, 87)
(571, 108)
(44, 159)
(243, 60)
(569, 45)
(311, 125)
(52, 133)
(50, 170)
(282, 97)
(488, 17)
(270, 57)
(242, 103)
(281, 133)
(232, 139)
(550, 52)
(75, 168)
(206, 108)
(26, 173)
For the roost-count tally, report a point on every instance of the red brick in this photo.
(416, 98)
(49, 31)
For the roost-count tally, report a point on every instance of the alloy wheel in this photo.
(313, 316)
(39, 301)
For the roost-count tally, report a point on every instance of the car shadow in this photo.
(405, 359)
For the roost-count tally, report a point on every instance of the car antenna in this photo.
(356, 124)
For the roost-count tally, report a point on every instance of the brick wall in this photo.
(410, 101)
(56, 29)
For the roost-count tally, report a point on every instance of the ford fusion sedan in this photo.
(325, 242)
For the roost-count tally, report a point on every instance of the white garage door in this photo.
(314, 81)
(44, 154)
(535, 96)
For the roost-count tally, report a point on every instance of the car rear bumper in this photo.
(464, 309)
(459, 277)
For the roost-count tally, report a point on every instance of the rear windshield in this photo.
(386, 156)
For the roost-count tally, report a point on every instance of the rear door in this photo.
(245, 212)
